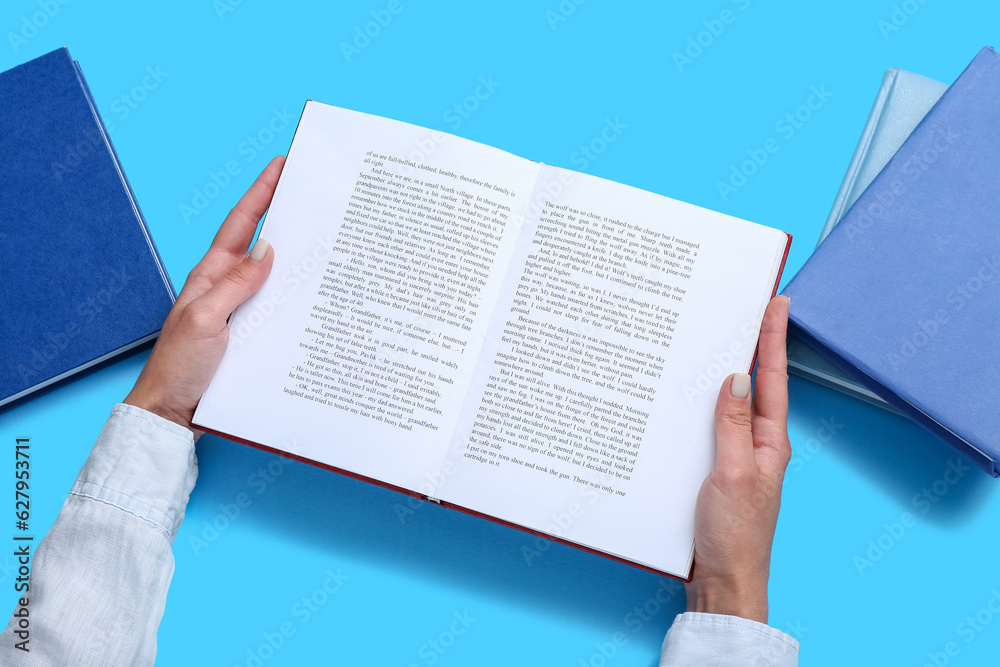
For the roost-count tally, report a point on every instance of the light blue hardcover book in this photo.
(903, 100)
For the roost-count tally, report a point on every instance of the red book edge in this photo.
(471, 512)
(774, 292)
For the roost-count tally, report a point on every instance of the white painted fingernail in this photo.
(259, 250)
(740, 388)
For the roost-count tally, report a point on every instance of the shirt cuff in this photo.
(142, 464)
(710, 640)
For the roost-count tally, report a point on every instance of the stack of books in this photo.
(900, 302)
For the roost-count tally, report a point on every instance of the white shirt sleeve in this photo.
(99, 578)
(715, 640)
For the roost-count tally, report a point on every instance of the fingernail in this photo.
(740, 388)
(259, 250)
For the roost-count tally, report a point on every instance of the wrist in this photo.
(143, 400)
(746, 598)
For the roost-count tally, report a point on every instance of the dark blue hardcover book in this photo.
(81, 283)
(904, 294)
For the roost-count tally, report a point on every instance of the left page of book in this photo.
(391, 242)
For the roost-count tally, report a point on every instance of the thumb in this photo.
(734, 448)
(239, 283)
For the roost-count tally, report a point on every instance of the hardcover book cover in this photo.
(80, 279)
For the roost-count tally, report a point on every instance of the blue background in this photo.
(224, 69)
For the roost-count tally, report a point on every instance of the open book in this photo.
(529, 344)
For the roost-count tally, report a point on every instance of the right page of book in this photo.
(591, 415)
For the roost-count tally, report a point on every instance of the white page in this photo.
(727, 277)
(333, 178)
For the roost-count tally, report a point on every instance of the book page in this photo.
(622, 313)
(391, 242)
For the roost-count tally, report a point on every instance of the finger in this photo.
(734, 439)
(237, 285)
(771, 396)
(237, 230)
(770, 400)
